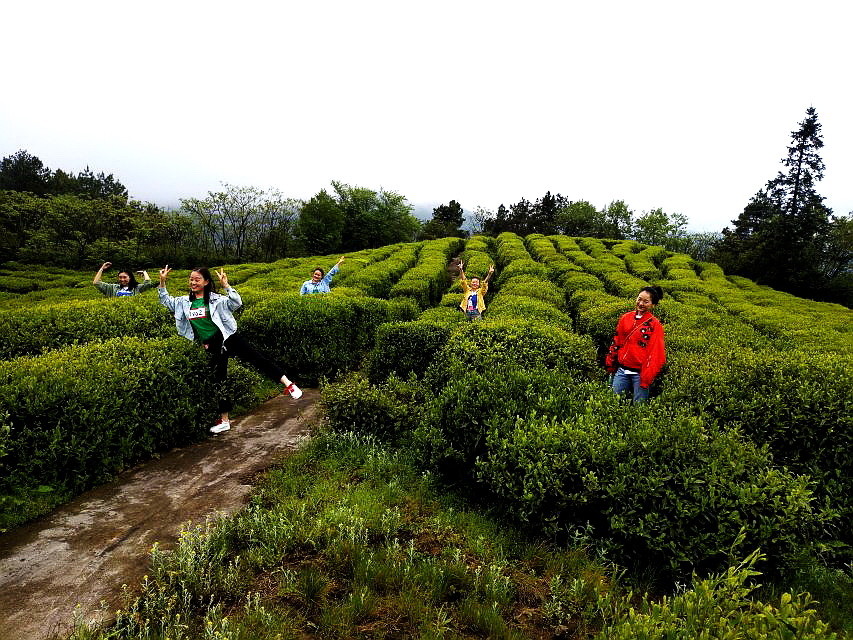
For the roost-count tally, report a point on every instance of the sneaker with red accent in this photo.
(219, 427)
(294, 391)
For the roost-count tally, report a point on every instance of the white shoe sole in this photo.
(219, 428)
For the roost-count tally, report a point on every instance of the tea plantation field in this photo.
(746, 444)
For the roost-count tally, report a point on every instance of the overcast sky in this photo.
(681, 105)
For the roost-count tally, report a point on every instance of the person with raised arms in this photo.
(207, 317)
(320, 280)
(474, 293)
(127, 285)
(637, 352)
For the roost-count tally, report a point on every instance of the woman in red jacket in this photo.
(637, 352)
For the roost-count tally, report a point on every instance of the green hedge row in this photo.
(31, 330)
(319, 336)
(428, 279)
(403, 349)
(377, 278)
(79, 415)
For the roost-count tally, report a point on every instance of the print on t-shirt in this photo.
(197, 313)
(472, 302)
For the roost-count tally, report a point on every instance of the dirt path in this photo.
(83, 552)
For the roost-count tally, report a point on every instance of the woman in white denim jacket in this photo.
(208, 317)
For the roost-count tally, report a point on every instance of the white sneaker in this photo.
(219, 427)
(294, 391)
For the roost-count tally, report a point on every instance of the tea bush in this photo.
(662, 487)
(78, 415)
(317, 336)
(405, 348)
(389, 410)
(31, 330)
(428, 279)
(377, 278)
(722, 606)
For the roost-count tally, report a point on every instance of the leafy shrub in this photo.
(33, 329)
(641, 265)
(315, 336)
(405, 348)
(81, 414)
(388, 411)
(719, 607)
(426, 281)
(523, 267)
(573, 281)
(531, 287)
(624, 248)
(522, 307)
(376, 279)
(501, 345)
(623, 284)
(798, 403)
(660, 485)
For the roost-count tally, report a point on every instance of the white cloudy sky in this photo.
(682, 105)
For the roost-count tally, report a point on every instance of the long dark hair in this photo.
(210, 287)
(131, 283)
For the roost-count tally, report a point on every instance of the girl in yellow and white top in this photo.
(474, 293)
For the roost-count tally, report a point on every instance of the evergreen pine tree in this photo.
(779, 237)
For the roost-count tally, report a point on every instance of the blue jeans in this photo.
(623, 382)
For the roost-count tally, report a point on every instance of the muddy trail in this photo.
(83, 552)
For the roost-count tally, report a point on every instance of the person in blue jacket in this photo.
(208, 318)
(320, 280)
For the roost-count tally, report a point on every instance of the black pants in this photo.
(218, 354)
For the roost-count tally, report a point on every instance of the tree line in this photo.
(59, 219)
(786, 237)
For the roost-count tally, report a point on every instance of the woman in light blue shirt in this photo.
(207, 317)
(320, 280)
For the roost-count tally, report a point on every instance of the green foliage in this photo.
(25, 172)
(658, 227)
(31, 330)
(721, 607)
(641, 265)
(315, 336)
(574, 281)
(521, 307)
(376, 279)
(405, 348)
(79, 415)
(447, 219)
(373, 219)
(238, 222)
(321, 224)
(784, 237)
(797, 402)
(428, 279)
(523, 267)
(662, 487)
(388, 411)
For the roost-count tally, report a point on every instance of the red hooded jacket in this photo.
(639, 345)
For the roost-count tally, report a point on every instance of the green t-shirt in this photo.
(200, 320)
